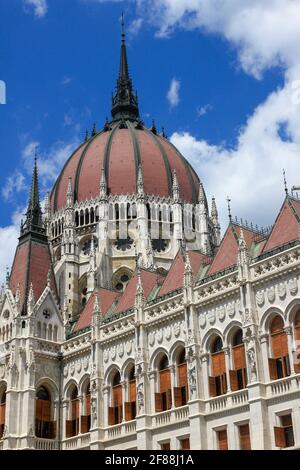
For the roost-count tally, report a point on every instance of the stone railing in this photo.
(120, 430)
(283, 386)
(77, 442)
(172, 416)
(45, 444)
(230, 400)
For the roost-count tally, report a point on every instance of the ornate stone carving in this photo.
(293, 287)
(177, 329)
(168, 332)
(260, 298)
(281, 291)
(271, 294)
(121, 350)
(140, 396)
(113, 352)
(252, 363)
(105, 355)
(221, 313)
(211, 317)
(202, 320)
(192, 379)
(151, 338)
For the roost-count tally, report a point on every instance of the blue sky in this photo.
(59, 60)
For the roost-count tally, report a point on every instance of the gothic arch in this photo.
(291, 310)
(127, 367)
(68, 387)
(156, 356)
(268, 316)
(50, 385)
(230, 330)
(82, 383)
(174, 350)
(208, 338)
(108, 376)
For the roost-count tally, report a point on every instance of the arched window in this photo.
(72, 425)
(297, 338)
(238, 376)
(181, 391)
(130, 405)
(86, 416)
(279, 363)
(115, 413)
(44, 426)
(163, 399)
(217, 382)
(2, 411)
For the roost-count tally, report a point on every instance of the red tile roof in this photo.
(31, 265)
(286, 227)
(228, 251)
(149, 280)
(106, 299)
(121, 151)
(174, 279)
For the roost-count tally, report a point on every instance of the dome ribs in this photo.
(165, 159)
(136, 148)
(187, 167)
(55, 193)
(78, 171)
(107, 155)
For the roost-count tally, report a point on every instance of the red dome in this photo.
(120, 150)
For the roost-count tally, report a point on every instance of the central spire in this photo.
(124, 101)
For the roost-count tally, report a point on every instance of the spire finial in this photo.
(284, 182)
(123, 27)
(124, 101)
(229, 208)
(34, 220)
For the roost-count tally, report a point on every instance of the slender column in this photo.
(173, 382)
(289, 333)
(152, 379)
(205, 374)
(264, 343)
(227, 365)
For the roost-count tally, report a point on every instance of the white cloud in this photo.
(173, 93)
(66, 80)
(202, 110)
(134, 27)
(8, 242)
(40, 7)
(50, 161)
(13, 183)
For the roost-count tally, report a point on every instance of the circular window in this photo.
(86, 247)
(160, 245)
(121, 279)
(124, 244)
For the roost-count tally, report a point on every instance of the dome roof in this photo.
(120, 150)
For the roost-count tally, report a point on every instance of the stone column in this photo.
(227, 365)
(205, 374)
(173, 382)
(289, 333)
(124, 390)
(264, 344)
(153, 380)
(106, 393)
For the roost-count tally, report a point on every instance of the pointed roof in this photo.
(175, 276)
(124, 101)
(106, 299)
(34, 216)
(32, 263)
(286, 227)
(227, 254)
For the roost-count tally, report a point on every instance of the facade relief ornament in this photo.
(168, 333)
(260, 298)
(66, 371)
(293, 287)
(192, 379)
(252, 363)
(281, 291)
(271, 295)
(211, 317)
(151, 338)
(177, 329)
(72, 369)
(160, 336)
(221, 313)
(129, 347)
(140, 397)
(202, 320)
(113, 352)
(105, 355)
(231, 310)
(121, 350)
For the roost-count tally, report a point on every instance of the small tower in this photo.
(215, 221)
